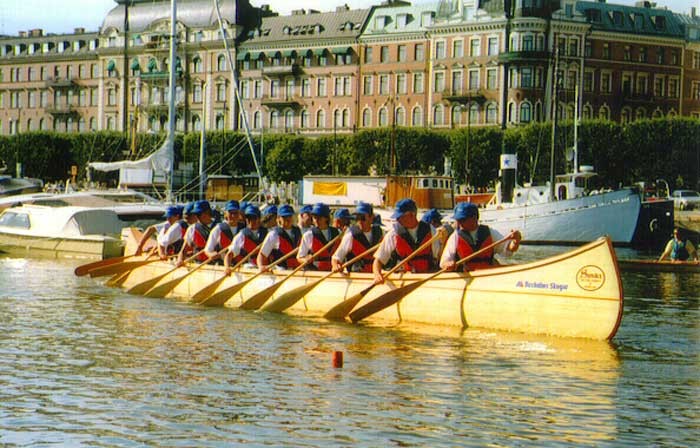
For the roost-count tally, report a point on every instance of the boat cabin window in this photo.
(426, 183)
(561, 194)
(435, 183)
(16, 220)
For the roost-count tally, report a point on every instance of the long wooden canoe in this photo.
(574, 294)
(681, 267)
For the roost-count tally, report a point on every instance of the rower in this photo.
(679, 248)
(222, 234)
(470, 237)
(172, 215)
(341, 219)
(198, 233)
(317, 237)
(281, 240)
(172, 241)
(246, 240)
(434, 218)
(406, 235)
(357, 240)
(305, 220)
(269, 217)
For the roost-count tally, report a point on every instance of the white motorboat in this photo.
(60, 232)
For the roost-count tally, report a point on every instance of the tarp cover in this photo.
(157, 161)
(331, 188)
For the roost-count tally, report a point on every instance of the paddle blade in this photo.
(165, 288)
(207, 290)
(289, 298)
(257, 300)
(85, 268)
(384, 301)
(118, 279)
(142, 287)
(224, 295)
(341, 310)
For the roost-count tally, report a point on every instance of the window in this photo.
(588, 49)
(440, 50)
(642, 84)
(418, 83)
(368, 55)
(475, 47)
(695, 90)
(197, 65)
(321, 118)
(321, 87)
(528, 42)
(367, 87)
(605, 82)
(306, 87)
(384, 54)
(573, 47)
(401, 87)
(525, 112)
(366, 117)
(660, 55)
(491, 78)
(111, 96)
(221, 92)
(674, 57)
(456, 114)
(526, 77)
(606, 51)
(400, 118)
(439, 82)
(220, 123)
(474, 79)
(473, 116)
(275, 119)
(289, 120)
(493, 46)
(257, 120)
(642, 54)
(383, 84)
(491, 112)
(588, 81)
(628, 53)
(221, 63)
(402, 53)
(305, 119)
(420, 52)
(659, 83)
(458, 48)
(197, 93)
(439, 115)
(673, 87)
(275, 88)
(383, 117)
(417, 116)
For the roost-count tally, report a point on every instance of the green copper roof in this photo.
(630, 19)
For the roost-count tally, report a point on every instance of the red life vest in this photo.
(405, 246)
(250, 242)
(361, 244)
(177, 245)
(199, 239)
(287, 244)
(323, 261)
(225, 237)
(467, 246)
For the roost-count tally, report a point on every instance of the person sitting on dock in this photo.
(172, 215)
(222, 234)
(357, 240)
(246, 240)
(341, 219)
(317, 237)
(196, 239)
(470, 237)
(281, 240)
(171, 242)
(406, 235)
(305, 220)
(679, 248)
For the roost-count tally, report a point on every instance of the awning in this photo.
(341, 50)
(242, 56)
(152, 65)
(273, 54)
(319, 51)
(288, 53)
(135, 65)
(111, 65)
(255, 55)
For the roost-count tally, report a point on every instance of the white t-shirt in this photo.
(450, 251)
(388, 245)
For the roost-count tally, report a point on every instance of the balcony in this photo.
(62, 110)
(463, 96)
(281, 70)
(525, 56)
(159, 76)
(59, 83)
(281, 101)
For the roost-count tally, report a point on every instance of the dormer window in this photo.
(286, 30)
(380, 22)
(618, 18)
(426, 19)
(593, 15)
(660, 22)
(401, 20)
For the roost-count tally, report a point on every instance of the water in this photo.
(86, 365)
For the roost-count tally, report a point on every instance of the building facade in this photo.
(447, 64)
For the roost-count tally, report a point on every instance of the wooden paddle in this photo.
(258, 299)
(389, 298)
(83, 269)
(342, 309)
(222, 296)
(142, 287)
(163, 289)
(209, 290)
(291, 297)
(122, 267)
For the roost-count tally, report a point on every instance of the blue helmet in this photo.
(342, 213)
(465, 210)
(285, 210)
(173, 211)
(188, 209)
(306, 209)
(431, 215)
(321, 209)
(270, 210)
(364, 208)
(252, 210)
(201, 207)
(232, 206)
(404, 206)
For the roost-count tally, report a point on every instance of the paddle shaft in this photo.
(393, 296)
(162, 290)
(209, 289)
(144, 286)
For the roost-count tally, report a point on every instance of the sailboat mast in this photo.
(555, 84)
(576, 94)
(171, 99)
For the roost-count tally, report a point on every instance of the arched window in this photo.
(289, 119)
(400, 116)
(346, 118)
(511, 112)
(321, 119)
(456, 115)
(42, 124)
(180, 124)
(570, 111)
(587, 112)
(197, 66)
(604, 113)
(110, 123)
(641, 113)
(417, 116)
(274, 119)
(473, 113)
(438, 115)
(220, 123)
(383, 119)
(221, 63)
(366, 117)
(625, 115)
(538, 111)
(672, 113)
(304, 119)
(81, 124)
(257, 120)
(525, 112)
(196, 123)
(337, 119)
(657, 113)
(491, 112)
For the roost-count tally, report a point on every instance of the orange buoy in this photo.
(338, 359)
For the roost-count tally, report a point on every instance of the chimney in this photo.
(37, 32)
(298, 12)
(80, 30)
(22, 34)
(343, 8)
(693, 12)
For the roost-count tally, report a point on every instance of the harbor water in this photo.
(86, 365)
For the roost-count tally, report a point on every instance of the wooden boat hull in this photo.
(684, 267)
(575, 294)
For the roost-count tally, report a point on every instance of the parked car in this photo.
(686, 199)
